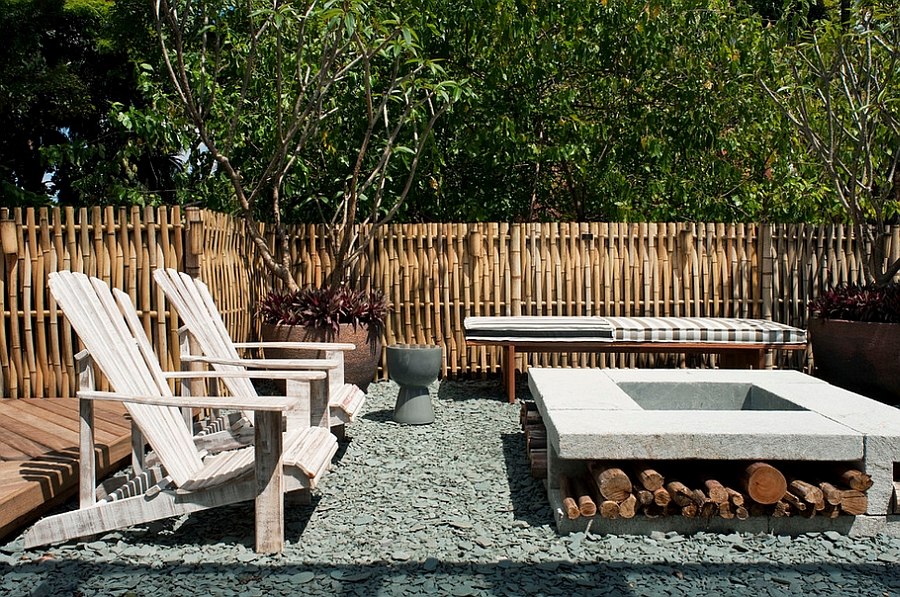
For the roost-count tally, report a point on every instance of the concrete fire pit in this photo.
(727, 415)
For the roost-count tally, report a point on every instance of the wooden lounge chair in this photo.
(195, 305)
(187, 479)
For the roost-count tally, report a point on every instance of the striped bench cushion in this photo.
(538, 328)
(704, 329)
(631, 329)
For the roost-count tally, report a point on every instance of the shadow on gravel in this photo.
(380, 416)
(229, 525)
(476, 389)
(528, 496)
(72, 577)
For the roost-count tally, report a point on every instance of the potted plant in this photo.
(330, 314)
(855, 336)
(301, 112)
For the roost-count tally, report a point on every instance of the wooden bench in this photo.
(740, 343)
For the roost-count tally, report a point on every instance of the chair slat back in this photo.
(110, 330)
(195, 305)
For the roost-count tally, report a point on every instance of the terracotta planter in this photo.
(360, 365)
(860, 356)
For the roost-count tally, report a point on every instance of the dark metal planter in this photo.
(859, 356)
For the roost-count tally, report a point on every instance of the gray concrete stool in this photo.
(414, 367)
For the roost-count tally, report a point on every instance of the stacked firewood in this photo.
(623, 490)
(728, 490)
(535, 439)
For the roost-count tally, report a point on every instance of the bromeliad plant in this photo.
(859, 303)
(323, 310)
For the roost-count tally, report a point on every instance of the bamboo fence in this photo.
(119, 245)
(434, 274)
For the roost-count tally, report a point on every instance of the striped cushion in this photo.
(538, 328)
(631, 329)
(704, 329)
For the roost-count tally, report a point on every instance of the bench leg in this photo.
(508, 371)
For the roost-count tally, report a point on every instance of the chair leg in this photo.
(269, 483)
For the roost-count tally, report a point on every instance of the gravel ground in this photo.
(445, 509)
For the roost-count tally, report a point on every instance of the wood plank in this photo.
(112, 418)
(28, 488)
(21, 444)
(13, 427)
(50, 423)
(9, 452)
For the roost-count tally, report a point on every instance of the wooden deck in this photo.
(39, 454)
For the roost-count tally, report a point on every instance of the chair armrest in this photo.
(342, 346)
(298, 375)
(255, 403)
(317, 364)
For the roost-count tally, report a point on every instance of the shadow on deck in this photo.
(39, 454)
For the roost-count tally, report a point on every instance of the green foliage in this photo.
(610, 111)
(596, 110)
(839, 85)
(64, 67)
(309, 110)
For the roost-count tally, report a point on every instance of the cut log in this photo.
(527, 406)
(716, 490)
(690, 510)
(831, 511)
(794, 501)
(662, 497)
(809, 493)
(648, 478)
(532, 417)
(570, 506)
(856, 479)
(536, 441)
(586, 504)
(538, 464)
(741, 513)
(725, 510)
(831, 493)
(628, 507)
(644, 497)
(705, 507)
(854, 502)
(680, 494)
(609, 509)
(782, 509)
(612, 482)
(532, 430)
(699, 497)
(735, 497)
(763, 483)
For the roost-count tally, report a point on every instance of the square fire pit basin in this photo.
(689, 414)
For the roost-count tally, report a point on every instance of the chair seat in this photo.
(348, 399)
(309, 449)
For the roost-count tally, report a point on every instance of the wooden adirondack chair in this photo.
(195, 305)
(188, 479)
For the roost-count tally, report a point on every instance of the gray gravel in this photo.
(445, 509)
